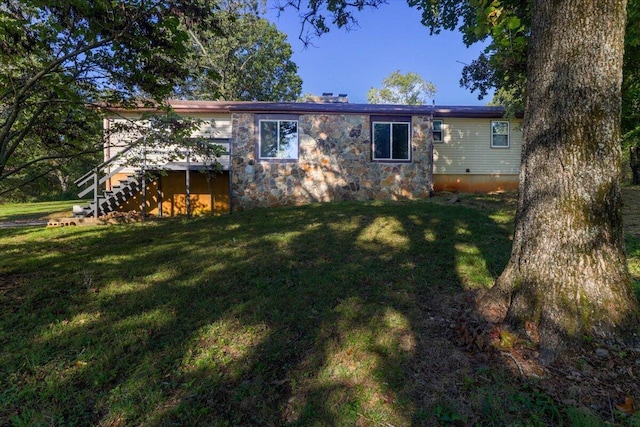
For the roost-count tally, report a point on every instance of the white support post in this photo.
(143, 208)
(96, 180)
(188, 184)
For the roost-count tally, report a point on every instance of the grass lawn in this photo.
(323, 315)
(37, 211)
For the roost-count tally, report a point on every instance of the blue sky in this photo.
(387, 39)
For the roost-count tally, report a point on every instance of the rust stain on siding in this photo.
(475, 183)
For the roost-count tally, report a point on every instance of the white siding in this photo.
(467, 145)
(121, 132)
(217, 126)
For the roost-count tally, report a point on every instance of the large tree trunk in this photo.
(567, 273)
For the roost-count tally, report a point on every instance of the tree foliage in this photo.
(631, 89)
(60, 57)
(398, 88)
(318, 16)
(505, 24)
(245, 58)
(502, 66)
(631, 71)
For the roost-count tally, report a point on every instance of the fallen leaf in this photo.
(507, 339)
(628, 407)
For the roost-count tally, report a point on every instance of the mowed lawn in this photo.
(323, 315)
(37, 211)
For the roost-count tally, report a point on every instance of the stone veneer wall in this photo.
(334, 164)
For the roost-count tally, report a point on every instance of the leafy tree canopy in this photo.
(244, 58)
(58, 57)
(631, 73)
(398, 88)
(318, 16)
(504, 23)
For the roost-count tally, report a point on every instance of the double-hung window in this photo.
(437, 131)
(391, 139)
(278, 138)
(499, 134)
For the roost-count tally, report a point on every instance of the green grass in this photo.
(35, 211)
(308, 316)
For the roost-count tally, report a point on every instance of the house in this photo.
(299, 153)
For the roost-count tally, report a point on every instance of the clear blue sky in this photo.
(387, 39)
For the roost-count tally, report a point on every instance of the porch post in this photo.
(96, 180)
(143, 208)
(188, 184)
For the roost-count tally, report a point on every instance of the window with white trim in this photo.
(391, 141)
(437, 131)
(499, 134)
(278, 139)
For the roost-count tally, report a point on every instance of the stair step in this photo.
(113, 199)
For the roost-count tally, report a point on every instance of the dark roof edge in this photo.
(381, 109)
(181, 106)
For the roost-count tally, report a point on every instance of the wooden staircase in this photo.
(106, 201)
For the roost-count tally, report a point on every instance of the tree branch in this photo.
(4, 176)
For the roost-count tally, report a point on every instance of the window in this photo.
(391, 140)
(278, 139)
(499, 134)
(437, 131)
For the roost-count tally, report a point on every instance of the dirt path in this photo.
(25, 223)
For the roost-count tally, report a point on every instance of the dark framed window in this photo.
(278, 138)
(499, 134)
(391, 139)
(437, 131)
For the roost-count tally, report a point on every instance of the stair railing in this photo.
(94, 177)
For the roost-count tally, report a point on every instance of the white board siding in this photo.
(217, 126)
(214, 126)
(467, 146)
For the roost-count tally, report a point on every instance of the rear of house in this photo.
(473, 154)
(298, 153)
(291, 154)
(165, 181)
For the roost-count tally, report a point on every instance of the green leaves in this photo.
(321, 14)
(244, 58)
(60, 57)
(398, 88)
(514, 23)
(505, 23)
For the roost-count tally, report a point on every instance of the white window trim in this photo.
(390, 159)
(508, 134)
(277, 120)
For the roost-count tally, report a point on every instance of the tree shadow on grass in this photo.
(320, 315)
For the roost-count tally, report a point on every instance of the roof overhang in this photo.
(212, 107)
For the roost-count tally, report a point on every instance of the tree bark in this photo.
(567, 273)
